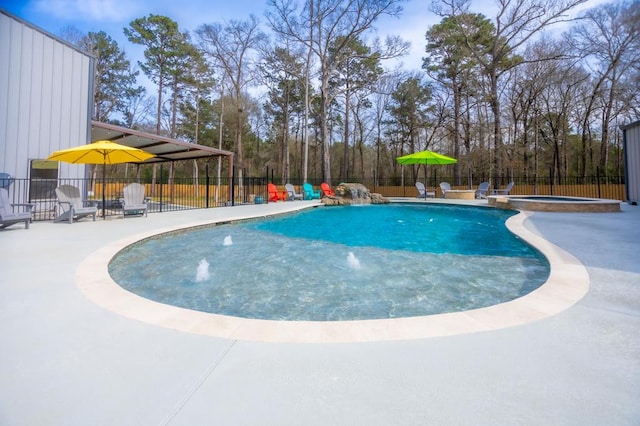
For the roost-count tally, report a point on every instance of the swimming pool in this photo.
(339, 263)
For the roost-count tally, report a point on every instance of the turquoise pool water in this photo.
(338, 263)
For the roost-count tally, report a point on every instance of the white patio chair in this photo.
(504, 191)
(444, 187)
(7, 216)
(134, 201)
(481, 192)
(422, 191)
(291, 192)
(72, 205)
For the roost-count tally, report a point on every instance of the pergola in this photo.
(165, 149)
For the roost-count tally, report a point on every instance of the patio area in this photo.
(67, 360)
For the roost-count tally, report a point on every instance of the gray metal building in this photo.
(46, 95)
(631, 145)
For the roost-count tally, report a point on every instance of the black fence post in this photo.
(233, 186)
(161, 172)
(206, 182)
(598, 180)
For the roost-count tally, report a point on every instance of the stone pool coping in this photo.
(568, 282)
(554, 204)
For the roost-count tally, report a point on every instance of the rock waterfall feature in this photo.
(353, 193)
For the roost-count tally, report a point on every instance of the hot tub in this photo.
(550, 203)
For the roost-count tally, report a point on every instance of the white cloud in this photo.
(89, 10)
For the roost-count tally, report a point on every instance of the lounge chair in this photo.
(134, 201)
(7, 216)
(504, 191)
(274, 194)
(444, 187)
(291, 192)
(309, 192)
(72, 205)
(422, 191)
(481, 192)
(326, 190)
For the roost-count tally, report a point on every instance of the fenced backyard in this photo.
(206, 192)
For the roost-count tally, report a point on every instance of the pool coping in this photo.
(550, 203)
(567, 283)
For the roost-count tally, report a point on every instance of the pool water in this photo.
(338, 263)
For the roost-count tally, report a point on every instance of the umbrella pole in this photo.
(104, 182)
(426, 184)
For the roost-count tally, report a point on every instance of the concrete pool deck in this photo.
(67, 360)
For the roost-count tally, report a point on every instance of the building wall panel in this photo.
(45, 95)
(4, 85)
(632, 161)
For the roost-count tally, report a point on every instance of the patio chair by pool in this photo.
(7, 215)
(72, 205)
(504, 191)
(274, 194)
(444, 187)
(134, 201)
(291, 192)
(481, 192)
(422, 191)
(309, 192)
(326, 190)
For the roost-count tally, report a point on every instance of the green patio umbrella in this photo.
(426, 157)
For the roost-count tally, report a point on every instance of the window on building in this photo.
(43, 180)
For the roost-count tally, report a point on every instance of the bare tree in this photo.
(229, 47)
(516, 23)
(282, 71)
(609, 37)
(331, 20)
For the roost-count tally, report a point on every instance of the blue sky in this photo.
(112, 16)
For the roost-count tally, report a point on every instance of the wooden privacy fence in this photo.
(609, 191)
(184, 192)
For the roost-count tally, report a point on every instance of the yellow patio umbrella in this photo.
(101, 152)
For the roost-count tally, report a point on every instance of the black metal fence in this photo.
(207, 192)
(609, 187)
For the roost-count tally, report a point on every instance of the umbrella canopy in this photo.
(426, 157)
(101, 152)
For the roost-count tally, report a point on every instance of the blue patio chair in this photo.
(309, 192)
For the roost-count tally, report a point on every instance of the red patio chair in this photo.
(326, 189)
(274, 194)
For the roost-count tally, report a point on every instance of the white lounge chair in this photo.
(7, 215)
(72, 205)
(444, 187)
(134, 201)
(481, 192)
(504, 191)
(291, 192)
(423, 193)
